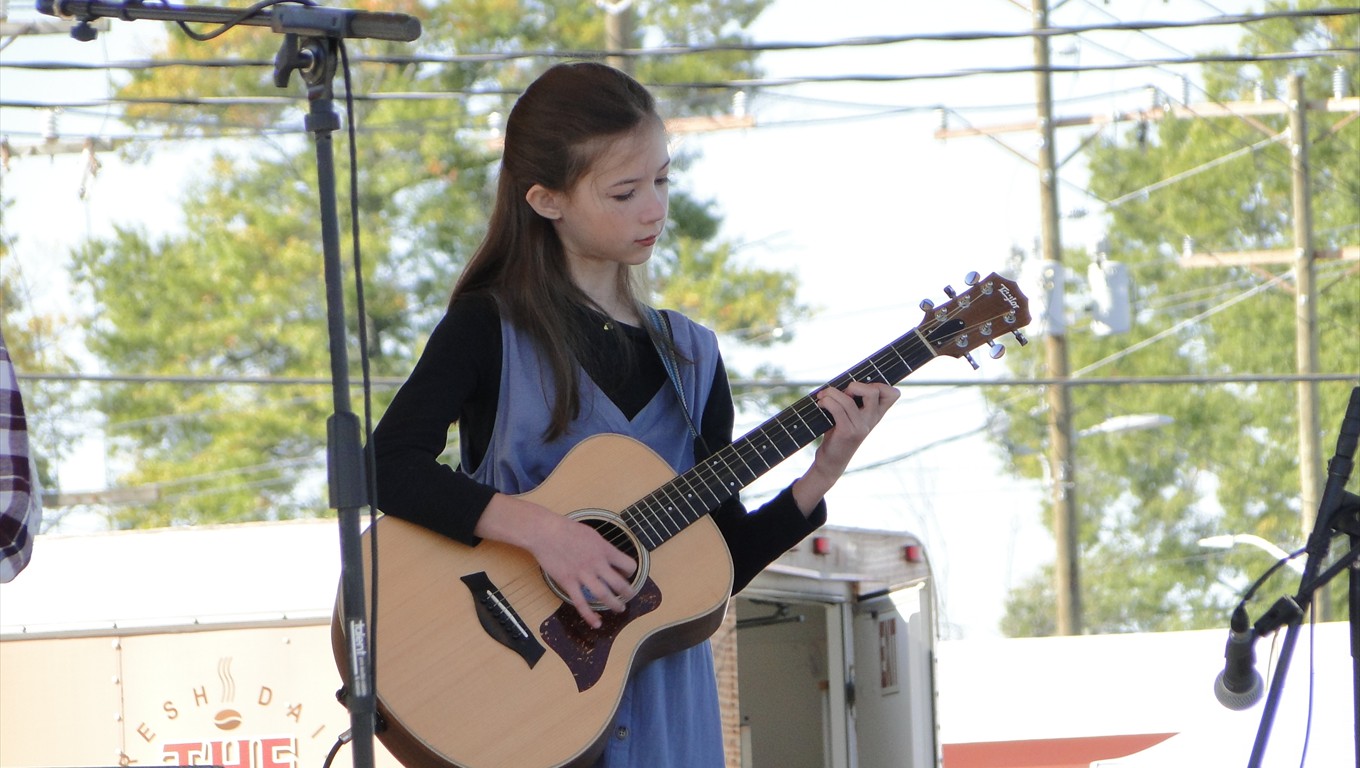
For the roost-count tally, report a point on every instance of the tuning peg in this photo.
(927, 305)
(950, 292)
(997, 350)
(972, 278)
(1020, 337)
(969, 357)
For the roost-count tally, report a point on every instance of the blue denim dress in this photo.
(668, 715)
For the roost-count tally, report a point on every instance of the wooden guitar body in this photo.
(451, 694)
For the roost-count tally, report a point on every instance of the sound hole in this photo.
(620, 537)
(612, 528)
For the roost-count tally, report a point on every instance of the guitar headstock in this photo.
(992, 306)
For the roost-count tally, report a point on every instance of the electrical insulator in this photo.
(1049, 280)
(1109, 284)
(739, 104)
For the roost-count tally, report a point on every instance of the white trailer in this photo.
(211, 646)
(836, 655)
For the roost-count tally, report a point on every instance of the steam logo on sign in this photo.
(193, 729)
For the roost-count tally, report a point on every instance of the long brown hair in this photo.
(559, 126)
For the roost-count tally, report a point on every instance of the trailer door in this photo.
(893, 685)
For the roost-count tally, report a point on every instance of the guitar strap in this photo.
(661, 329)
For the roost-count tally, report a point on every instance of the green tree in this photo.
(237, 291)
(36, 341)
(1229, 463)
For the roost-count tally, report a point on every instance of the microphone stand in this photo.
(312, 38)
(1339, 512)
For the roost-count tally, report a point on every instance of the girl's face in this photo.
(617, 210)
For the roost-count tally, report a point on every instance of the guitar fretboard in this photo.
(674, 506)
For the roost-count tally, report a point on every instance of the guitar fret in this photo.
(671, 506)
(695, 492)
(653, 538)
(751, 474)
(709, 490)
(650, 534)
(723, 471)
(902, 359)
(707, 486)
(783, 454)
(770, 452)
(759, 445)
(661, 532)
(669, 517)
(796, 440)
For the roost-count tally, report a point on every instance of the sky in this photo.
(842, 183)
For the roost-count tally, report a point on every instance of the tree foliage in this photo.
(36, 341)
(237, 291)
(1229, 463)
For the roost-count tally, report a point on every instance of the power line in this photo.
(807, 384)
(209, 102)
(1141, 27)
(249, 132)
(770, 47)
(1281, 56)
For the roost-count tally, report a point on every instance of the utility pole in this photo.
(1062, 463)
(1305, 324)
(618, 31)
(1304, 257)
(1305, 307)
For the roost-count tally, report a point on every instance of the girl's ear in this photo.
(544, 201)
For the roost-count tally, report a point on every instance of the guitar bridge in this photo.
(499, 619)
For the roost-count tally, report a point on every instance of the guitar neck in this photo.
(993, 306)
(669, 509)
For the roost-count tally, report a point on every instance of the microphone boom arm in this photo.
(300, 20)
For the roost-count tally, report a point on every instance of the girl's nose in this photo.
(660, 202)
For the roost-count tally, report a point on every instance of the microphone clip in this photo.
(1285, 611)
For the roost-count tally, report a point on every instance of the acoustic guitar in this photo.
(481, 662)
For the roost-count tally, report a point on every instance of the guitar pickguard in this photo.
(586, 650)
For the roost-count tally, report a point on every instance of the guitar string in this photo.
(665, 501)
(863, 372)
(528, 594)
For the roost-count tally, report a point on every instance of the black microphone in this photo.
(1239, 685)
(1334, 496)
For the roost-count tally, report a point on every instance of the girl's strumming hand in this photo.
(574, 555)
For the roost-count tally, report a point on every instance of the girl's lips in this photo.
(647, 242)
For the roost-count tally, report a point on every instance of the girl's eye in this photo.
(661, 181)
